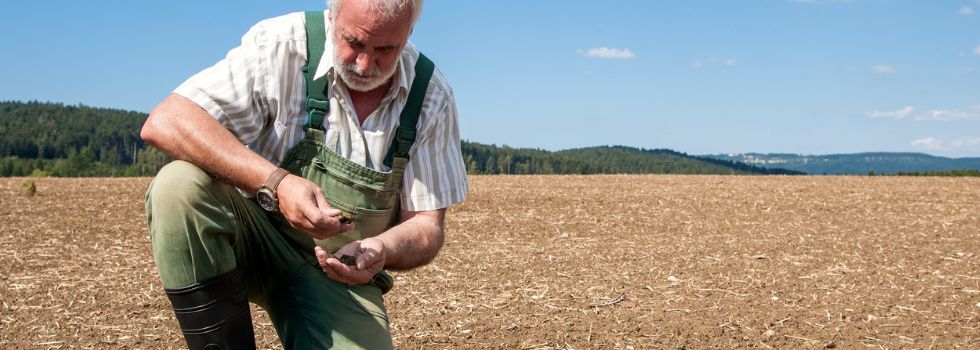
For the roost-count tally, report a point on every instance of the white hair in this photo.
(388, 9)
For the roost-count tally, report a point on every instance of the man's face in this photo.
(366, 48)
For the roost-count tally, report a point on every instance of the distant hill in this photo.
(858, 163)
(40, 138)
(490, 159)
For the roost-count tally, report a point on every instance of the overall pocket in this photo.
(368, 222)
(376, 190)
(361, 193)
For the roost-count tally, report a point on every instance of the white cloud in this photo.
(899, 114)
(976, 50)
(954, 115)
(605, 52)
(883, 69)
(966, 11)
(929, 143)
(970, 144)
(936, 115)
(714, 61)
(966, 142)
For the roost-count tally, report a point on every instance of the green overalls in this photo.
(204, 233)
(370, 197)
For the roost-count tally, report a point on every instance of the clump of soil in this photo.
(348, 260)
(29, 188)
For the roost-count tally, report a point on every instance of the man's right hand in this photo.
(305, 207)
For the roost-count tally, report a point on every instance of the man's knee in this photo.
(189, 224)
(179, 183)
(178, 198)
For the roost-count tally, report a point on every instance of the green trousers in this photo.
(201, 228)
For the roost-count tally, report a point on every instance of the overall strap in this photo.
(409, 119)
(317, 103)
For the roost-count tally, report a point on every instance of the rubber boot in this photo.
(214, 314)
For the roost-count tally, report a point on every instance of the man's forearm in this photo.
(183, 130)
(415, 241)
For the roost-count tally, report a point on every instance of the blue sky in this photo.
(812, 77)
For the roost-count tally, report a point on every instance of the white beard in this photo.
(358, 80)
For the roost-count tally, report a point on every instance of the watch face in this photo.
(267, 200)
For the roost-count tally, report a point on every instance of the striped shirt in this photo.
(258, 93)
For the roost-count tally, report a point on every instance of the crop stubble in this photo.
(564, 262)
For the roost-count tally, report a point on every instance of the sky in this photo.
(700, 77)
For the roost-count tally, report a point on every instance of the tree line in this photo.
(490, 159)
(53, 139)
(948, 173)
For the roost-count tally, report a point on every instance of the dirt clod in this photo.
(29, 188)
(345, 219)
(348, 260)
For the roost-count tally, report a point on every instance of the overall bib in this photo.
(370, 198)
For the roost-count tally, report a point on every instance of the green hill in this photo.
(63, 140)
(858, 163)
(490, 159)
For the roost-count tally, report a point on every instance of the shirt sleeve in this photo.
(232, 90)
(435, 177)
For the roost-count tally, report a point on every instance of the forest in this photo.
(490, 159)
(53, 139)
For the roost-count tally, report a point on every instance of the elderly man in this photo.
(320, 152)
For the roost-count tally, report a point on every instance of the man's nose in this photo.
(363, 62)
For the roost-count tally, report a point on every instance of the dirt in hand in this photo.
(348, 260)
(345, 219)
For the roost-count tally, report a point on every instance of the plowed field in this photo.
(539, 262)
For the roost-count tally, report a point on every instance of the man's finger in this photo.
(326, 209)
(320, 226)
(321, 256)
(321, 202)
(321, 199)
(300, 223)
(313, 214)
(338, 271)
(367, 257)
(326, 262)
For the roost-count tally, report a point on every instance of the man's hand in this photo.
(304, 206)
(370, 255)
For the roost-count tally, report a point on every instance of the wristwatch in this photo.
(266, 196)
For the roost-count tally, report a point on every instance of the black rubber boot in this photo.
(214, 314)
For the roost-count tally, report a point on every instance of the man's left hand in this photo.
(370, 255)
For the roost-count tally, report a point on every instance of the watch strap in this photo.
(273, 182)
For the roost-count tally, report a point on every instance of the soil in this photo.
(349, 260)
(547, 262)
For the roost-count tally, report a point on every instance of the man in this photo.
(299, 179)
